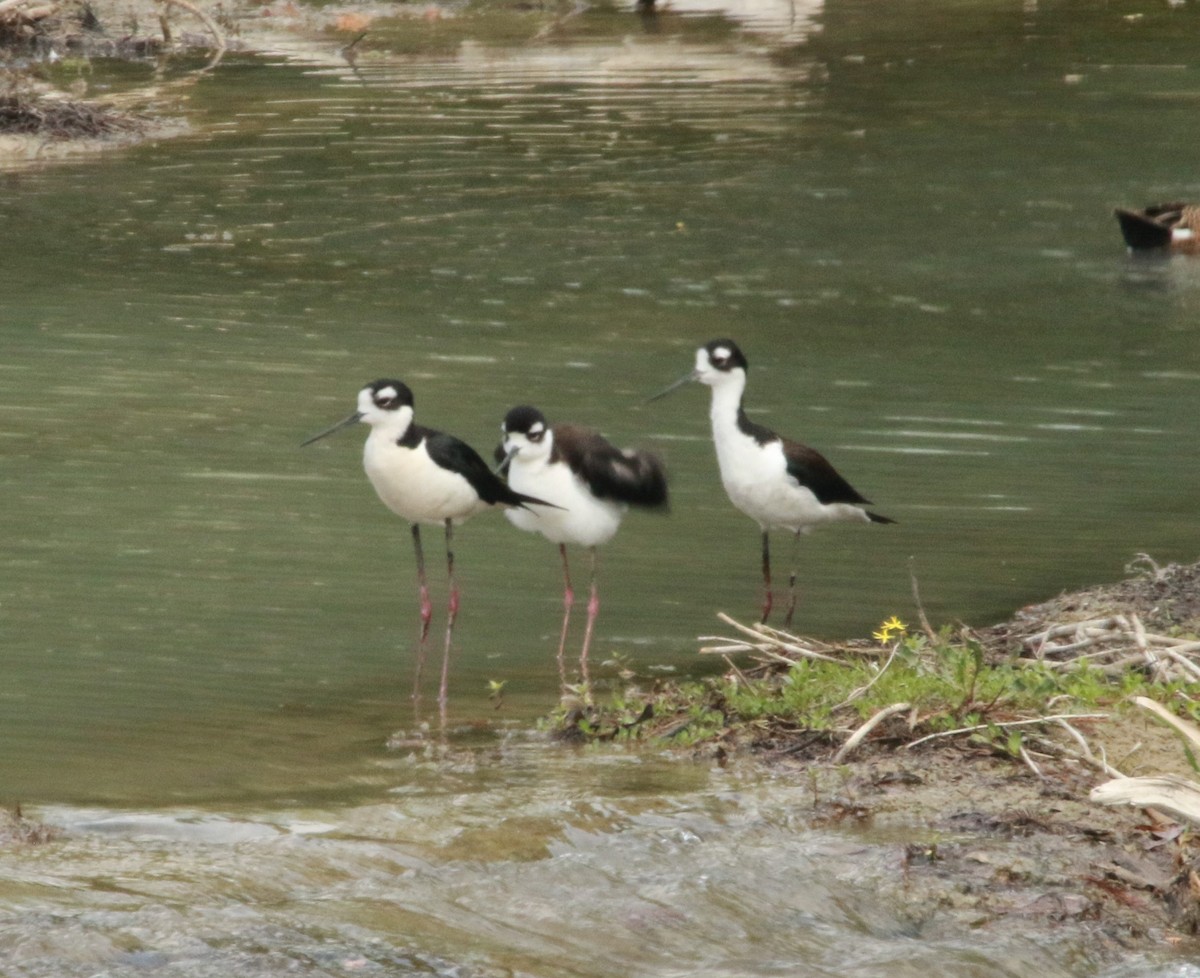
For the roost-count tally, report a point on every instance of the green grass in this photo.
(948, 682)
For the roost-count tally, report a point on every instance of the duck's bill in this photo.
(685, 379)
(344, 423)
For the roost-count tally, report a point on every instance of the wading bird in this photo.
(591, 482)
(424, 476)
(778, 483)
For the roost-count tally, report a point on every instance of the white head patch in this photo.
(536, 428)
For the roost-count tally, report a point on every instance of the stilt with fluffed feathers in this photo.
(779, 483)
(1173, 227)
(591, 482)
(424, 476)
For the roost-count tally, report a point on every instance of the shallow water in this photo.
(902, 216)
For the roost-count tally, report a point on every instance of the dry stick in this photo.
(855, 694)
(860, 734)
(1089, 758)
(1030, 763)
(736, 671)
(204, 17)
(789, 646)
(1005, 724)
(1185, 663)
(785, 638)
(916, 593)
(1188, 730)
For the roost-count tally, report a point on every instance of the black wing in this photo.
(810, 468)
(457, 456)
(633, 477)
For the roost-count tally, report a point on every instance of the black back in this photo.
(632, 477)
(457, 456)
(810, 468)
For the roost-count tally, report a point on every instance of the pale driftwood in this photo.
(764, 644)
(1189, 730)
(1167, 791)
(861, 733)
(856, 693)
(218, 35)
(1030, 763)
(1005, 725)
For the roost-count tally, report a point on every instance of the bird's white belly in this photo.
(757, 482)
(583, 519)
(416, 488)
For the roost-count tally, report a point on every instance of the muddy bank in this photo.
(1009, 839)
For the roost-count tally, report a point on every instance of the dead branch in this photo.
(860, 734)
(1005, 725)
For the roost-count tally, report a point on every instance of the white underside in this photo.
(415, 487)
(757, 481)
(583, 519)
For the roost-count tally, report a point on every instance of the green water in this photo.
(906, 229)
(901, 212)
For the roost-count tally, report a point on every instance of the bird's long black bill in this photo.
(686, 378)
(344, 423)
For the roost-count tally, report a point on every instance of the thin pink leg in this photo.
(593, 608)
(791, 608)
(568, 604)
(451, 615)
(768, 597)
(426, 612)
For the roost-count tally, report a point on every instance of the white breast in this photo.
(756, 478)
(583, 519)
(415, 487)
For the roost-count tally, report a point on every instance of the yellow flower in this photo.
(893, 626)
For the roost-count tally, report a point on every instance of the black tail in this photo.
(876, 518)
(1142, 231)
(510, 498)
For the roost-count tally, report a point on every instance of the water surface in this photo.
(902, 215)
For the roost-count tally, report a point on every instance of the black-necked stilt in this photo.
(778, 483)
(1175, 226)
(591, 481)
(424, 476)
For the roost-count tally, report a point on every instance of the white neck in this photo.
(726, 401)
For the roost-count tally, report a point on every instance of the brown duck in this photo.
(1173, 226)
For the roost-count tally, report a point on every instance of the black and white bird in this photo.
(424, 476)
(590, 481)
(779, 483)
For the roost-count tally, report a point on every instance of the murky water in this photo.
(902, 216)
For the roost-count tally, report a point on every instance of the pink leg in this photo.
(768, 597)
(568, 604)
(426, 612)
(593, 608)
(791, 608)
(451, 615)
